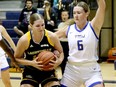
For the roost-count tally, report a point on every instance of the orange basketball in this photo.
(45, 57)
(112, 54)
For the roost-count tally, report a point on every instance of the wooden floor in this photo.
(108, 72)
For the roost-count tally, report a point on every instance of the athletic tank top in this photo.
(82, 44)
(34, 48)
(1, 50)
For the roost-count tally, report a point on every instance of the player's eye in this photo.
(37, 25)
(43, 24)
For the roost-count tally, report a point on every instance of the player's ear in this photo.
(87, 14)
(30, 24)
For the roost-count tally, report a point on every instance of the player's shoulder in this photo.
(24, 38)
(50, 33)
(2, 28)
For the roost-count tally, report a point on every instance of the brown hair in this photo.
(84, 6)
(35, 17)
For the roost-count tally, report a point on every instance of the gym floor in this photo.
(108, 72)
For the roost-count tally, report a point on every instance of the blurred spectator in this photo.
(71, 5)
(52, 2)
(55, 2)
(66, 3)
(64, 17)
(23, 24)
(40, 3)
(50, 16)
(58, 8)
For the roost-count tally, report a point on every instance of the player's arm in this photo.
(5, 45)
(22, 45)
(58, 47)
(20, 50)
(98, 20)
(7, 37)
(63, 31)
(7, 49)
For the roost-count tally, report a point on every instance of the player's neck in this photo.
(38, 37)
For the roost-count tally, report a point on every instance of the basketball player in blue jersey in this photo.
(28, 47)
(83, 35)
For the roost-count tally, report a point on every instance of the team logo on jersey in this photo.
(80, 36)
(31, 45)
(29, 76)
(44, 45)
(33, 52)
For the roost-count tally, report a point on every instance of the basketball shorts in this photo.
(3, 63)
(88, 74)
(35, 77)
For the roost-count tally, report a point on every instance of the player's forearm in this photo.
(101, 3)
(61, 58)
(11, 43)
(23, 61)
(7, 49)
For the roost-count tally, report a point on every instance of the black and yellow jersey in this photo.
(34, 48)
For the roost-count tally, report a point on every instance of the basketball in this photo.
(45, 57)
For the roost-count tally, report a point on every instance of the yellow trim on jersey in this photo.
(49, 40)
(28, 36)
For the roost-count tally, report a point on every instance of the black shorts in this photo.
(23, 27)
(35, 77)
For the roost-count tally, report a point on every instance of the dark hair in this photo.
(34, 17)
(64, 10)
(29, 0)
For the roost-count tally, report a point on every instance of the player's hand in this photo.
(37, 64)
(53, 64)
(15, 65)
(52, 23)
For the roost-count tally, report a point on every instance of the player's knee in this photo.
(52, 84)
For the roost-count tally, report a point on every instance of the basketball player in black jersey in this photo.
(31, 44)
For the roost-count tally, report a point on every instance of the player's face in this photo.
(79, 15)
(39, 25)
(29, 4)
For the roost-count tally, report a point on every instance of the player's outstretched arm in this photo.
(8, 51)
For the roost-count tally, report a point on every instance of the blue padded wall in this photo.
(15, 40)
(12, 33)
(9, 23)
(10, 15)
